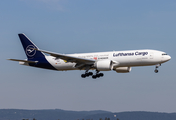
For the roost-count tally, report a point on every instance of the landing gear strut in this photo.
(156, 68)
(87, 74)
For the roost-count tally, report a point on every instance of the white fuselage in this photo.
(129, 58)
(119, 61)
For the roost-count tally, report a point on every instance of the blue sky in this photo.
(67, 26)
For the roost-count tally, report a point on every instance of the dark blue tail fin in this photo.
(29, 46)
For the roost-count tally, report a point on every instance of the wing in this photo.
(69, 58)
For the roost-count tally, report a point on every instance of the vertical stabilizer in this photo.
(29, 46)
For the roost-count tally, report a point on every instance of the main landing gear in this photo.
(87, 74)
(156, 68)
(97, 75)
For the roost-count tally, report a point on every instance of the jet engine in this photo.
(104, 65)
(123, 69)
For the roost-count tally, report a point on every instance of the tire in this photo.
(90, 73)
(83, 75)
(156, 71)
(94, 76)
(97, 75)
(87, 74)
(101, 74)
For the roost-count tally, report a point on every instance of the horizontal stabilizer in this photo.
(23, 61)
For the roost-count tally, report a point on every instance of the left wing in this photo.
(68, 58)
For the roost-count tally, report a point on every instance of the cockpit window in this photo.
(164, 54)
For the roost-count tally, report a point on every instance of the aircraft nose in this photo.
(166, 58)
(169, 57)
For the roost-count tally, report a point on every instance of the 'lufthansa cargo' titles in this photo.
(130, 54)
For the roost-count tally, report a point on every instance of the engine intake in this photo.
(104, 65)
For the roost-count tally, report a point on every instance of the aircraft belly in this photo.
(65, 66)
(60, 64)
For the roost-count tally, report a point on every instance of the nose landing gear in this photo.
(156, 68)
(156, 71)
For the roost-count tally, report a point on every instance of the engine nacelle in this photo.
(104, 65)
(123, 69)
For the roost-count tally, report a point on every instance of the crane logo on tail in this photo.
(30, 50)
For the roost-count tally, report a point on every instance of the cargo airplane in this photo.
(119, 61)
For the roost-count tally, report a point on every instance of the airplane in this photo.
(119, 61)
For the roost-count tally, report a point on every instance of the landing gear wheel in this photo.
(83, 75)
(87, 74)
(156, 71)
(94, 76)
(91, 73)
(101, 74)
(156, 68)
(97, 75)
